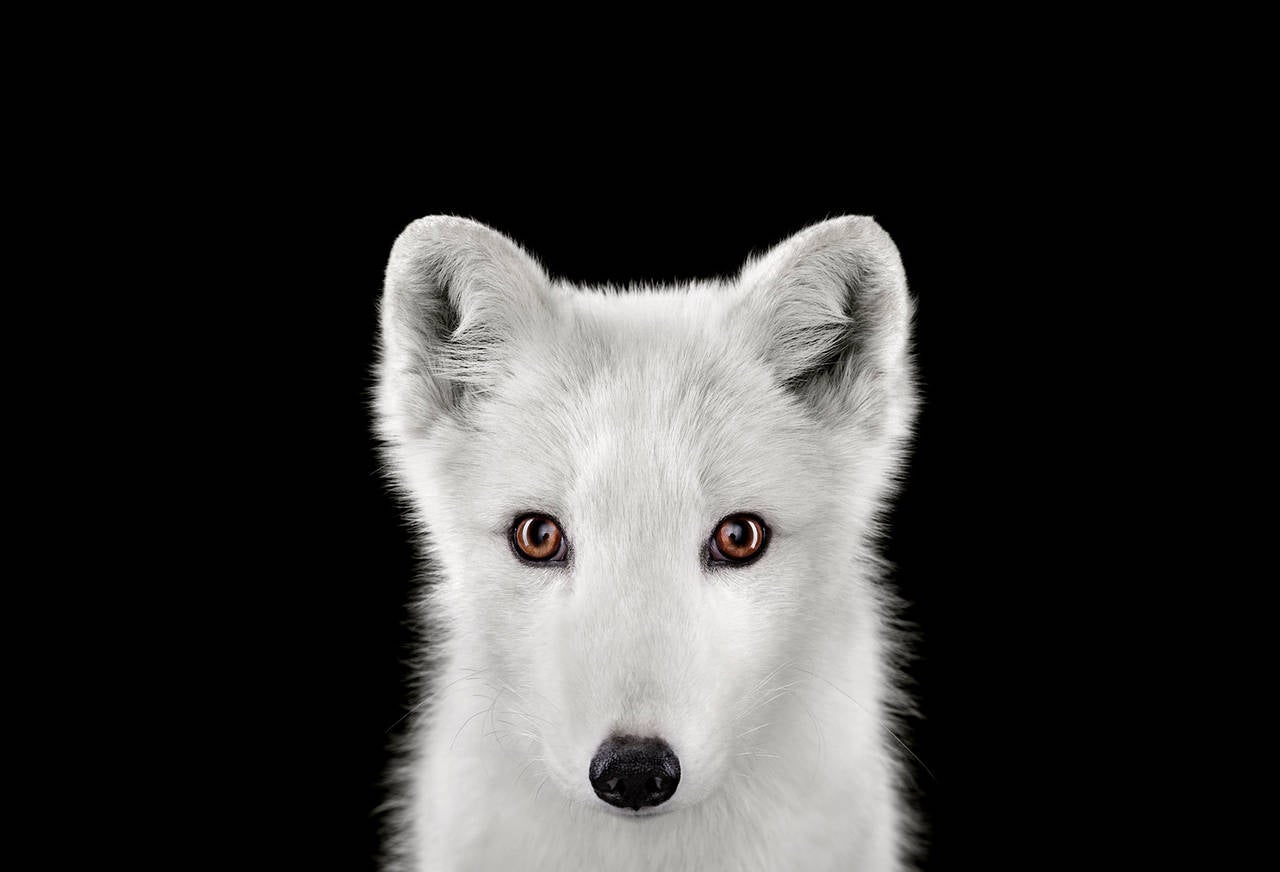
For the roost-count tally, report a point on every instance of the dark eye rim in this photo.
(561, 557)
(715, 559)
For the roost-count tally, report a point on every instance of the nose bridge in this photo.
(641, 501)
(636, 574)
(636, 608)
(643, 598)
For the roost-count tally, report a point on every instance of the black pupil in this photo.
(540, 531)
(736, 533)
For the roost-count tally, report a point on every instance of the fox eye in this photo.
(738, 539)
(539, 538)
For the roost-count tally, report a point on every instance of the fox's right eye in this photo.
(738, 539)
(539, 538)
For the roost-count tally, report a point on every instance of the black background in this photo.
(325, 566)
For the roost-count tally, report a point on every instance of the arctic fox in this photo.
(659, 639)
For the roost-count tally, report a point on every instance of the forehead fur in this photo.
(503, 390)
(646, 393)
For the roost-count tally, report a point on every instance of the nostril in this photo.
(633, 772)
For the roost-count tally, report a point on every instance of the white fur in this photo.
(639, 419)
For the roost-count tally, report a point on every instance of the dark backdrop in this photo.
(328, 566)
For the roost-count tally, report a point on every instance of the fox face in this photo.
(643, 505)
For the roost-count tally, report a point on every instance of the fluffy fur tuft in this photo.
(638, 419)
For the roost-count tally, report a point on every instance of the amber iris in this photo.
(738, 538)
(537, 537)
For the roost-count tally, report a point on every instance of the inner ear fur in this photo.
(457, 294)
(829, 311)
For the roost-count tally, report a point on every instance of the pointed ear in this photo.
(457, 294)
(829, 310)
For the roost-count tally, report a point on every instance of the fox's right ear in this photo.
(456, 293)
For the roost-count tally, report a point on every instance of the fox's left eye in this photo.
(738, 539)
(539, 538)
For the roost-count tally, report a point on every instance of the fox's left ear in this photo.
(829, 311)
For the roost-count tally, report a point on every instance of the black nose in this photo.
(630, 772)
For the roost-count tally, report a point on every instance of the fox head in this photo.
(642, 505)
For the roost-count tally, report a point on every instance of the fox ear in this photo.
(829, 310)
(456, 293)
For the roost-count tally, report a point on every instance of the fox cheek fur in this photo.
(743, 710)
